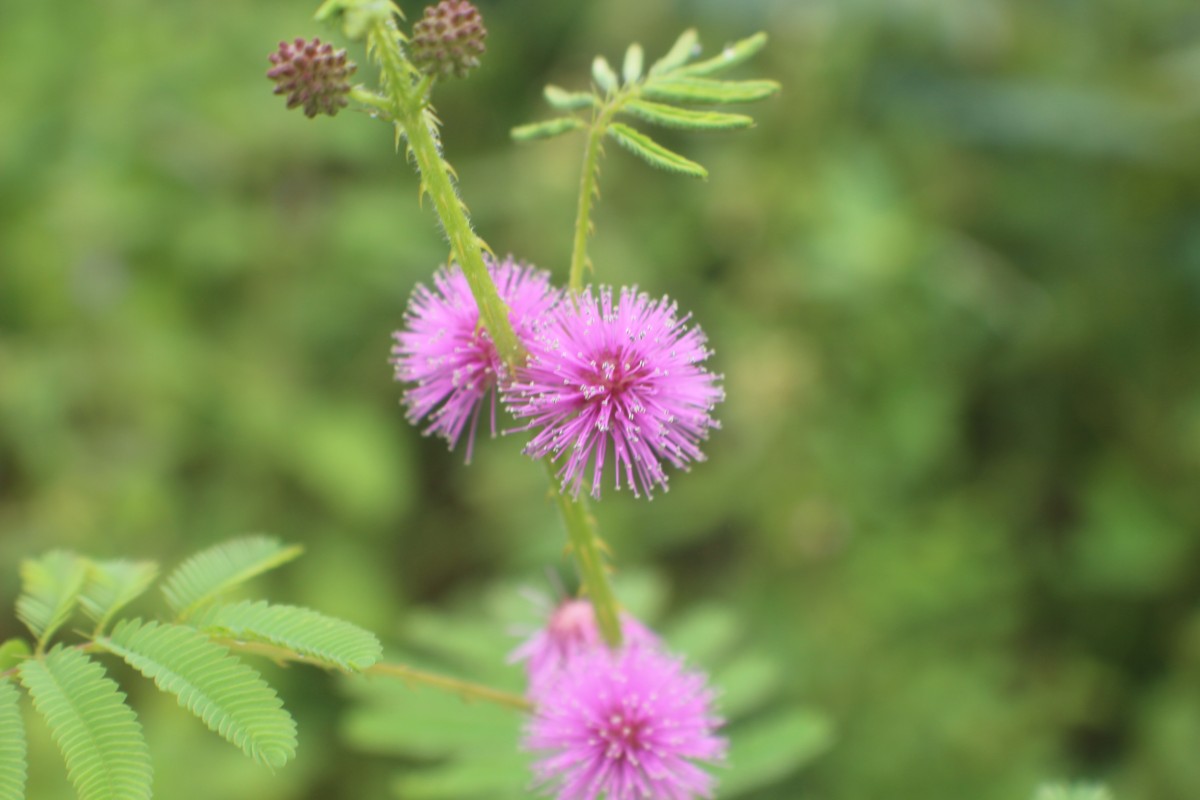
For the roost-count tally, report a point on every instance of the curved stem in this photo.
(588, 191)
(464, 689)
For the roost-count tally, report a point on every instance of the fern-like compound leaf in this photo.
(684, 49)
(563, 100)
(98, 734)
(50, 587)
(731, 56)
(708, 90)
(333, 641)
(546, 130)
(652, 152)
(12, 743)
(672, 117)
(112, 585)
(231, 697)
(212, 572)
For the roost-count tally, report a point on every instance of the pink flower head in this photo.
(626, 374)
(449, 358)
(570, 632)
(628, 725)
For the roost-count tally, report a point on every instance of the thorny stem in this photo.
(415, 120)
(589, 190)
(416, 123)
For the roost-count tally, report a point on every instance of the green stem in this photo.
(583, 219)
(588, 551)
(413, 120)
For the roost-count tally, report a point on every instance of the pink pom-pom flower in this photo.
(447, 357)
(625, 725)
(624, 375)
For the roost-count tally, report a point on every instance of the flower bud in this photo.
(312, 75)
(448, 40)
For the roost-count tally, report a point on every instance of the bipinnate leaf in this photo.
(652, 152)
(98, 734)
(50, 587)
(672, 117)
(563, 100)
(708, 90)
(231, 697)
(12, 743)
(685, 47)
(212, 572)
(112, 585)
(333, 641)
(546, 130)
(731, 56)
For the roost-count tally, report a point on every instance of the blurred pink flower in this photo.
(625, 725)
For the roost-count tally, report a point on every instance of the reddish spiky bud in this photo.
(448, 41)
(312, 75)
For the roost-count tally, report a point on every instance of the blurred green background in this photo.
(952, 279)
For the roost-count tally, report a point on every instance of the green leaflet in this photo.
(708, 90)
(672, 117)
(652, 152)
(547, 129)
(229, 696)
(684, 48)
(333, 641)
(732, 55)
(603, 74)
(631, 69)
(208, 574)
(563, 100)
(112, 585)
(98, 734)
(50, 587)
(12, 743)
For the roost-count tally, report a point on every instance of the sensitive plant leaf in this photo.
(707, 90)
(732, 55)
(50, 587)
(12, 653)
(563, 100)
(603, 74)
(764, 751)
(12, 743)
(546, 130)
(652, 152)
(98, 734)
(685, 48)
(210, 573)
(229, 696)
(332, 641)
(631, 69)
(112, 585)
(672, 117)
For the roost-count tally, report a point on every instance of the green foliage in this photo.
(112, 585)
(12, 743)
(310, 634)
(207, 575)
(1073, 792)
(50, 588)
(12, 653)
(669, 79)
(98, 734)
(652, 152)
(231, 698)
